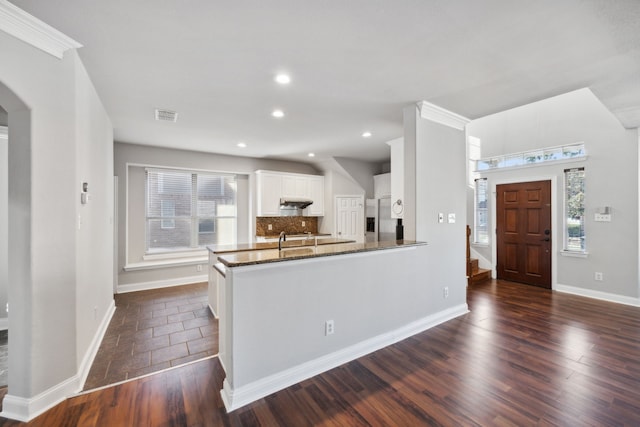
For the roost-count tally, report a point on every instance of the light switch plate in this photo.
(452, 218)
(602, 217)
(440, 217)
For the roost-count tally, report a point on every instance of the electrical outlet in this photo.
(598, 276)
(269, 227)
(445, 292)
(328, 327)
(303, 223)
(199, 267)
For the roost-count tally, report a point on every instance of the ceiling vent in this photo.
(166, 115)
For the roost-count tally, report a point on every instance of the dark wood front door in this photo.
(523, 230)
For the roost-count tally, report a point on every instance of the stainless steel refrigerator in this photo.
(379, 224)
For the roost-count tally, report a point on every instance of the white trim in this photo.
(440, 115)
(241, 396)
(4, 133)
(532, 165)
(604, 296)
(193, 253)
(90, 354)
(22, 409)
(157, 284)
(33, 31)
(574, 254)
(149, 265)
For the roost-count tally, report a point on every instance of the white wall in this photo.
(132, 210)
(94, 239)
(44, 149)
(361, 172)
(4, 231)
(611, 174)
(439, 188)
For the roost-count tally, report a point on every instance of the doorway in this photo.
(523, 232)
(350, 218)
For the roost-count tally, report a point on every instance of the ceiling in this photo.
(354, 65)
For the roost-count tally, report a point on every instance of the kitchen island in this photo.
(288, 315)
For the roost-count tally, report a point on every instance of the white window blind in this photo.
(481, 207)
(188, 210)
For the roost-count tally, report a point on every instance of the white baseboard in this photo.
(157, 284)
(23, 409)
(4, 324)
(605, 296)
(90, 354)
(241, 396)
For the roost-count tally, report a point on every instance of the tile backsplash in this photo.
(288, 224)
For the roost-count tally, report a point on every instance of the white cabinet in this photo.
(397, 177)
(269, 189)
(296, 186)
(382, 185)
(271, 186)
(316, 193)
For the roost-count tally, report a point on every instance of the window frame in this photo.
(565, 216)
(476, 212)
(194, 218)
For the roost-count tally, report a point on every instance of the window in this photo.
(562, 153)
(189, 210)
(574, 209)
(481, 207)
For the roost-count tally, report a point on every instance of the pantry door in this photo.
(350, 218)
(523, 228)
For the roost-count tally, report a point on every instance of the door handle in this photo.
(545, 240)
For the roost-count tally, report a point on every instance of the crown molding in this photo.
(4, 133)
(440, 115)
(18, 23)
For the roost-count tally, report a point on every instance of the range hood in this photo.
(294, 202)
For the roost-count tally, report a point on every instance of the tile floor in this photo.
(154, 330)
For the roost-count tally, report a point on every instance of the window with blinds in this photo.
(481, 207)
(574, 210)
(189, 210)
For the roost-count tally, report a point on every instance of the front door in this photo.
(523, 214)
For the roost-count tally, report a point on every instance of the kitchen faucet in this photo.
(282, 238)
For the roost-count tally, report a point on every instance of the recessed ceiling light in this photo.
(311, 154)
(366, 134)
(242, 145)
(278, 113)
(283, 79)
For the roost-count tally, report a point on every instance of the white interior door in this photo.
(350, 218)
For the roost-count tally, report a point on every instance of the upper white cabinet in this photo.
(316, 193)
(382, 185)
(271, 186)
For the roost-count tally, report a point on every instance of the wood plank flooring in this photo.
(524, 356)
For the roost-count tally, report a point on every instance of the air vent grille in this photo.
(166, 115)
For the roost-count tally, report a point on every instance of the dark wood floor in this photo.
(523, 356)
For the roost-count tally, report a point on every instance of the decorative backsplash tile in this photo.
(288, 224)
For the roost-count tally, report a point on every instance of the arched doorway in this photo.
(18, 238)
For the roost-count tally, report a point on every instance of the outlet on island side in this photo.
(199, 267)
(445, 292)
(598, 276)
(328, 327)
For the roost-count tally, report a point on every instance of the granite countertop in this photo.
(260, 246)
(275, 236)
(253, 257)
